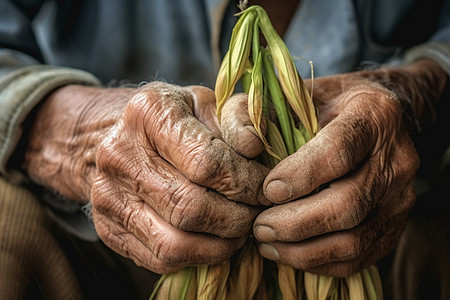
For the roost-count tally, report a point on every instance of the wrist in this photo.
(420, 87)
(64, 136)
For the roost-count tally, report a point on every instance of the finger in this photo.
(338, 254)
(188, 145)
(152, 243)
(332, 153)
(342, 205)
(126, 244)
(181, 203)
(317, 254)
(345, 252)
(204, 108)
(237, 128)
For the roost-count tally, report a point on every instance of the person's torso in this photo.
(134, 41)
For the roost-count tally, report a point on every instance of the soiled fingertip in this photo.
(237, 128)
(265, 233)
(269, 252)
(278, 191)
(262, 198)
(242, 138)
(250, 145)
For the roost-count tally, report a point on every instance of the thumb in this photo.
(237, 129)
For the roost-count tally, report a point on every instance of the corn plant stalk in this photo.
(237, 56)
(279, 102)
(291, 82)
(266, 74)
(300, 102)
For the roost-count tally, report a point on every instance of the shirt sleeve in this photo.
(437, 47)
(437, 51)
(24, 78)
(20, 91)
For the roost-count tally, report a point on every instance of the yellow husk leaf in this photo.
(235, 61)
(250, 273)
(376, 281)
(291, 82)
(287, 282)
(311, 286)
(355, 287)
(211, 281)
(181, 285)
(278, 149)
(369, 285)
(325, 283)
(255, 99)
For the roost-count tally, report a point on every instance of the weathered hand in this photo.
(367, 162)
(344, 197)
(165, 190)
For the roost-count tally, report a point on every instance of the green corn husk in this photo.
(272, 82)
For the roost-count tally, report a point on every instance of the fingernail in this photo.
(265, 233)
(278, 191)
(262, 198)
(269, 252)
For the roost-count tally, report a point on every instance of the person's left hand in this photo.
(343, 198)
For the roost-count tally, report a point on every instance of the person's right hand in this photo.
(165, 190)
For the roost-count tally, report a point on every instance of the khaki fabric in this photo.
(29, 251)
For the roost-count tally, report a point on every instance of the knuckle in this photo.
(391, 103)
(104, 152)
(383, 99)
(350, 246)
(207, 163)
(191, 214)
(351, 210)
(409, 196)
(122, 244)
(158, 101)
(108, 198)
(170, 252)
(408, 161)
(114, 238)
(344, 269)
(206, 212)
(341, 162)
(112, 155)
(341, 147)
(101, 189)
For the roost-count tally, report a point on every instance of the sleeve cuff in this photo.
(439, 52)
(20, 92)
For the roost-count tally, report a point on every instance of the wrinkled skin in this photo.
(344, 197)
(166, 191)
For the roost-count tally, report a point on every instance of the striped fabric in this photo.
(28, 250)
